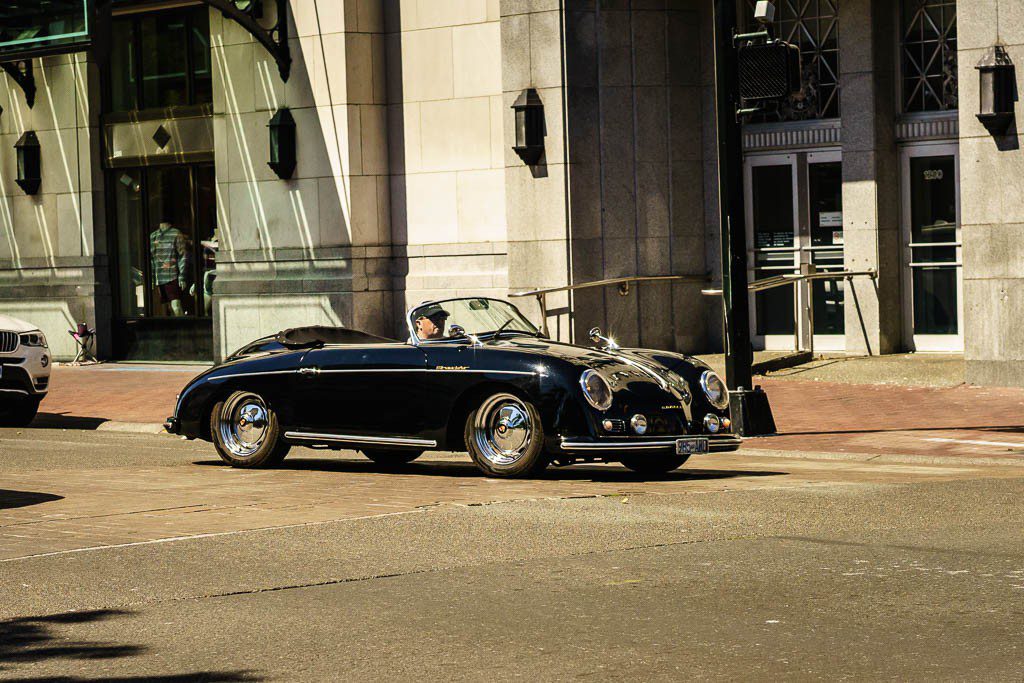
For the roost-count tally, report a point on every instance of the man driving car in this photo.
(430, 322)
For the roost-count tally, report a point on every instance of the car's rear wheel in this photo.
(505, 437)
(391, 458)
(19, 412)
(654, 464)
(246, 433)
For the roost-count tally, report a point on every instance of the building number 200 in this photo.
(933, 174)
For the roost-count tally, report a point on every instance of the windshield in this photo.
(442, 319)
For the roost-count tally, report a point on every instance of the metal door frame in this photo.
(934, 343)
(802, 250)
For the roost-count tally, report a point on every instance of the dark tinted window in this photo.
(161, 59)
(928, 55)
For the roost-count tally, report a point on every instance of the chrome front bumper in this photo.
(717, 443)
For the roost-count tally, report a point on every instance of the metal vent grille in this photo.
(8, 342)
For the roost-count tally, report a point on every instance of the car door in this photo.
(451, 370)
(361, 390)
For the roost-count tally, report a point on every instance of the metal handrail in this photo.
(756, 286)
(792, 278)
(622, 282)
(805, 275)
(614, 281)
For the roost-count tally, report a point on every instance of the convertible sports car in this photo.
(475, 375)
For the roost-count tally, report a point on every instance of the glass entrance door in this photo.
(166, 241)
(794, 223)
(933, 275)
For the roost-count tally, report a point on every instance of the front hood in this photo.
(9, 324)
(627, 369)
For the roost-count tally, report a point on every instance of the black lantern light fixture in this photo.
(997, 81)
(529, 112)
(282, 144)
(29, 153)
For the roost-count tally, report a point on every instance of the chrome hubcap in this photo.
(502, 429)
(243, 425)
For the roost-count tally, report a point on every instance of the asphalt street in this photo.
(746, 566)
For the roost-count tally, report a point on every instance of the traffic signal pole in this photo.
(751, 413)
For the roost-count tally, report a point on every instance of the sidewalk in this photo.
(936, 423)
(113, 396)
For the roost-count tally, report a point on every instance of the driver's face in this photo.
(430, 328)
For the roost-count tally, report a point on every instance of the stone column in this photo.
(620, 191)
(315, 248)
(871, 200)
(991, 203)
(53, 259)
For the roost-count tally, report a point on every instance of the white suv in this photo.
(24, 371)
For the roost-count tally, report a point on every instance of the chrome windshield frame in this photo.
(416, 341)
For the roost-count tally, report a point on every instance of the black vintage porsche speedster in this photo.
(475, 375)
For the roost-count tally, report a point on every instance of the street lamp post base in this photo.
(751, 413)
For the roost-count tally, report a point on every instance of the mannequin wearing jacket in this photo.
(168, 249)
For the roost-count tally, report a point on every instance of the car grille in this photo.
(15, 379)
(8, 342)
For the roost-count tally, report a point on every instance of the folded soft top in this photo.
(319, 335)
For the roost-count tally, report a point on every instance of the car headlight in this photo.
(714, 388)
(36, 338)
(596, 389)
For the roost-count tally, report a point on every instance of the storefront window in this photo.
(167, 242)
(928, 55)
(131, 252)
(814, 26)
(161, 59)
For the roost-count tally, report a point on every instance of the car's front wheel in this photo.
(651, 465)
(505, 437)
(19, 413)
(391, 458)
(246, 433)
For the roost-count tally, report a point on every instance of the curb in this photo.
(132, 427)
(895, 459)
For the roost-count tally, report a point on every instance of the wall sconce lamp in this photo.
(997, 80)
(29, 165)
(529, 126)
(282, 144)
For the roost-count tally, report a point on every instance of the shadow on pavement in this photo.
(32, 640)
(469, 471)
(21, 499)
(61, 421)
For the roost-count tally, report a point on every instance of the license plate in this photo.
(695, 446)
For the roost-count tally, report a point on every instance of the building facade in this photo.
(159, 221)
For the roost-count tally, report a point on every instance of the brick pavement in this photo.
(883, 419)
(811, 416)
(89, 395)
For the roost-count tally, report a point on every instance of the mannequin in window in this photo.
(168, 249)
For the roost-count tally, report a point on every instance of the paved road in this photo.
(126, 556)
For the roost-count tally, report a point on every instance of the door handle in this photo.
(309, 372)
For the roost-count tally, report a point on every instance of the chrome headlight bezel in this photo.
(598, 403)
(714, 389)
(35, 339)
